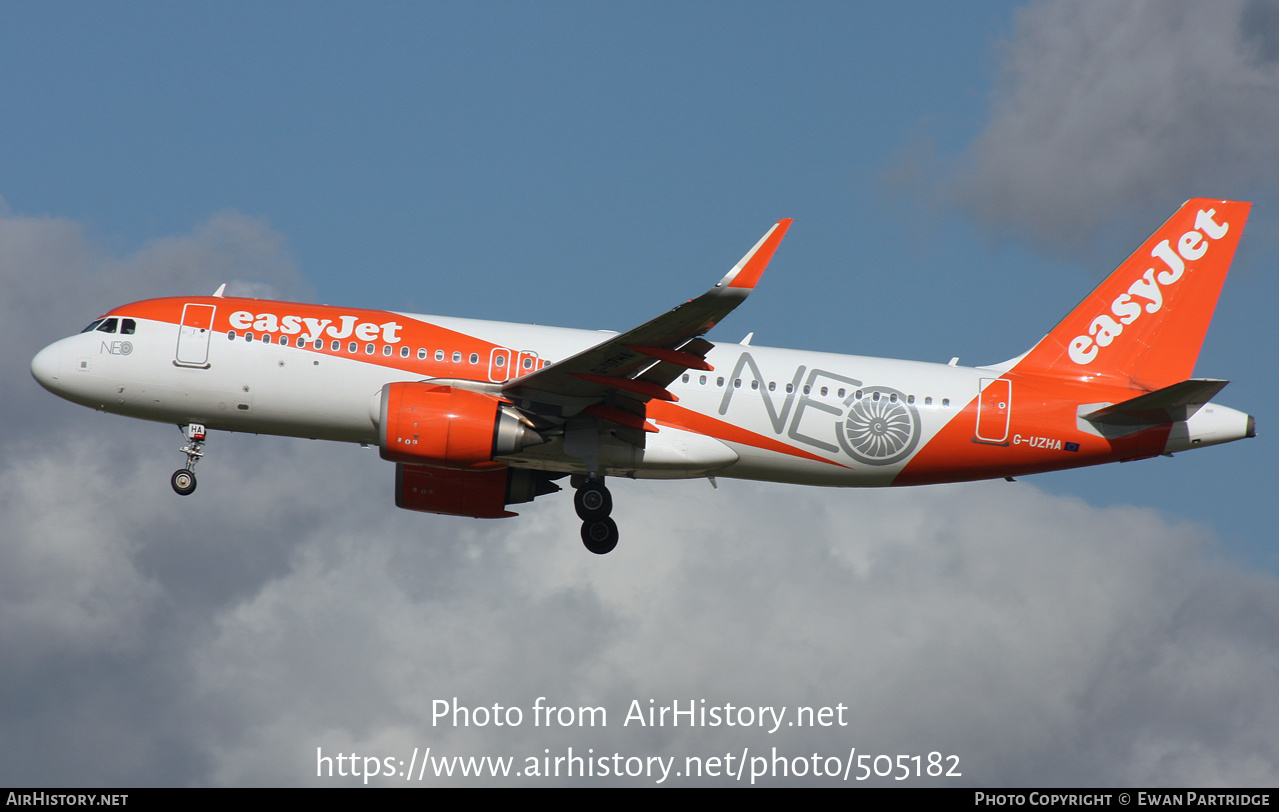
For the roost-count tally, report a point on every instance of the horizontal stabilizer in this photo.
(1172, 404)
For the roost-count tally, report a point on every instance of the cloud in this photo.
(288, 606)
(1112, 107)
(989, 621)
(57, 279)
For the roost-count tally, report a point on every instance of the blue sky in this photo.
(405, 145)
(960, 175)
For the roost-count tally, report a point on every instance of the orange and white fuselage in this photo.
(1111, 382)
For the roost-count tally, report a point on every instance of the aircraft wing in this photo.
(613, 379)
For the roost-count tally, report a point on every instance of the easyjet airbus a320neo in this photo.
(480, 415)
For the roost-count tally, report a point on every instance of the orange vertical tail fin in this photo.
(1143, 326)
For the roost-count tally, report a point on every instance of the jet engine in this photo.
(483, 494)
(449, 427)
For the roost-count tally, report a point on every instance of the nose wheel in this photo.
(594, 503)
(183, 479)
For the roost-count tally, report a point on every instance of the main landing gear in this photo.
(183, 479)
(593, 503)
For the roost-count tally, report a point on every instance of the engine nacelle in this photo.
(483, 494)
(448, 427)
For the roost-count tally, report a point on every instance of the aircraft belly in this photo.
(670, 454)
(770, 466)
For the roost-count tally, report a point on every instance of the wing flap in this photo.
(680, 358)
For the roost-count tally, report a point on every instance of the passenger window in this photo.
(284, 341)
(702, 380)
(824, 391)
(248, 336)
(266, 338)
(421, 354)
(684, 377)
(841, 392)
(439, 355)
(386, 349)
(719, 382)
(772, 385)
(928, 401)
(754, 384)
(230, 334)
(457, 357)
(335, 346)
(475, 359)
(528, 364)
(945, 402)
(352, 347)
(790, 387)
(807, 389)
(368, 349)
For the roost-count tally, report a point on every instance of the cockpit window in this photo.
(108, 325)
(128, 327)
(92, 326)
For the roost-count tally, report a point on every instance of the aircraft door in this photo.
(499, 365)
(526, 363)
(194, 335)
(994, 409)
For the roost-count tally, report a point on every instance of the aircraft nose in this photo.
(46, 366)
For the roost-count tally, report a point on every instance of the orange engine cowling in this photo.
(448, 427)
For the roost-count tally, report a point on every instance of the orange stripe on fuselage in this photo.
(330, 322)
(1043, 421)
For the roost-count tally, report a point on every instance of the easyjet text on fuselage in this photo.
(313, 328)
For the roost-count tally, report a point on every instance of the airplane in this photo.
(481, 415)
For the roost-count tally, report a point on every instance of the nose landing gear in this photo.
(183, 482)
(183, 479)
(594, 503)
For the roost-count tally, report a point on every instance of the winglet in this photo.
(750, 268)
(623, 364)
